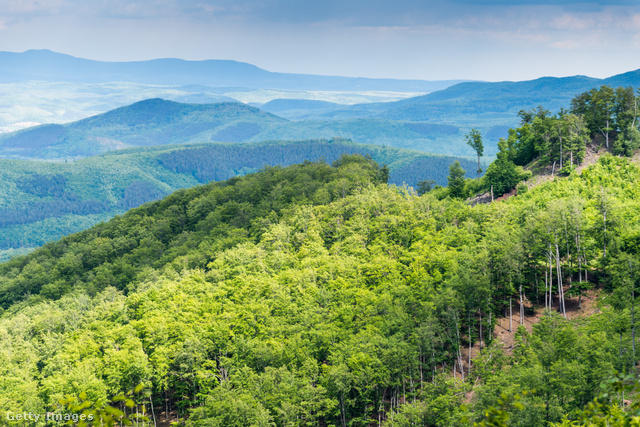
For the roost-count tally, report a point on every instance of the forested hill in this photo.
(156, 122)
(43, 201)
(145, 123)
(318, 295)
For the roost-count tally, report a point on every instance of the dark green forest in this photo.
(317, 294)
(43, 201)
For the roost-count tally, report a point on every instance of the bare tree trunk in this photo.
(480, 313)
(604, 219)
(579, 256)
(605, 134)
(580, 300)
(469, 367)
(633, 324)
(546, 283)
(461, 365)
(560, 289)
(584, 256)
(633, 314)
(490, 335)
(510, 314)
(521, 306)
(550, 280)
(571, 159)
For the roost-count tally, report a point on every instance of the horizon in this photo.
(488, 40)
(287, 72)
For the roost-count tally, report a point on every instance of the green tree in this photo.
(628, 142)
(425, 186)
(455, 180)
(577, 138)
(474, 140)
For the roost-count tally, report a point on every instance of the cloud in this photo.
(340, 35)
(32, 7)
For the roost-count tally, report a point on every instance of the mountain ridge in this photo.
(42, 201)
(173, 71)
(161, 122)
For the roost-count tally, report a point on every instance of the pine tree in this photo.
(456, 180)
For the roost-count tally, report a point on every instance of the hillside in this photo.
(368, 111)
(145, 123)
(317, 293)
(488, 106)
(159, 122)
(44, 201)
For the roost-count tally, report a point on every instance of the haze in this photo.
(418, 39)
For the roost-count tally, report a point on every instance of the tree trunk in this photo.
(510, 315)
(572, 159)
(580, 300)
(560, 289)
(546, 283)
(521, 306)
(604, 220)
(550, 280)
(584, 256)
(480, 313)
(579, 256)
(469, 367)
(633, 315)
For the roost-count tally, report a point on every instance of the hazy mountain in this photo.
(478, 104)
(145, 123)
(51, 66)
(160, 122)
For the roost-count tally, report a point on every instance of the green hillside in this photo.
(145, 123)
(317, 295)
(43, 201)
(159, 122)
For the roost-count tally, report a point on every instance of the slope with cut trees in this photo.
(319, 295)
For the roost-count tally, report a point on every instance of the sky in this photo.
(491, 40)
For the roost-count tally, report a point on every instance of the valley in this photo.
(213, 244)
(44, 201)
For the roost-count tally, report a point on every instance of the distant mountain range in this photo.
(160, 122)
(468, 103)
(435, 122)
(56, 67)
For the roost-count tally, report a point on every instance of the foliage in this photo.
(44, 201)
(318, 295)
(82, 412)
(456, 183)
(474, 140)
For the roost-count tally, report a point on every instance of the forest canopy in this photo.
(316, 294)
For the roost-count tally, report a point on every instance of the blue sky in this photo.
(422, 39)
